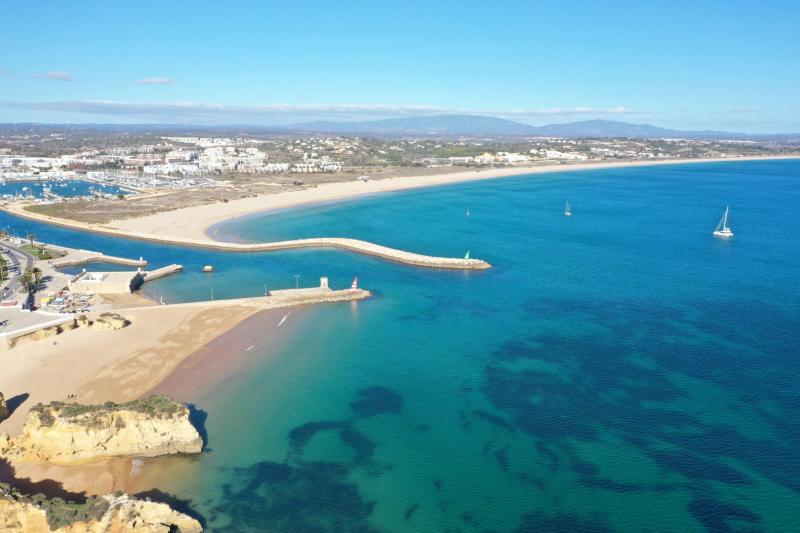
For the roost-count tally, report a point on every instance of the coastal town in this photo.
(152, 161)
(59, 301)
(97, 175)
(368, 267)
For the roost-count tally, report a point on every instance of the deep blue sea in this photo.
(618, 370)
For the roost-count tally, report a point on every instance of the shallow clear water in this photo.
(617, 370)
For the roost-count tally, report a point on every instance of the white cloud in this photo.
(285, 113)
(55, 75)
(156, 81)
(566, 112)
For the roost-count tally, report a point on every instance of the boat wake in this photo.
(283, 320)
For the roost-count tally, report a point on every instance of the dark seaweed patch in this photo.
(617, 383)
(376, 400)
(723, 517)
(360, 443)
(495, 420)
(410, 512)
(299, 436)
(306, 498)
(502, 458)
(539, 522)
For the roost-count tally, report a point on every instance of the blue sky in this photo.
(695, 65)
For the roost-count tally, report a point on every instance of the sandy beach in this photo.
(106, 365)
(182, 351)
(113, 365)
(190, 226)
(195, 222)
(123, 365)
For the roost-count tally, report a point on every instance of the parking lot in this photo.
(13, 319)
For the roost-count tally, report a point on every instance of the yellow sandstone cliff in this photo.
(113, 513)
(67, 433)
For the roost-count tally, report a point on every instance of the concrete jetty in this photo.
(75, 257)
(116, 282)
(39, 320)
(161, 272)
(282, 298)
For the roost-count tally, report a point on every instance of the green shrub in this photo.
(60, 513)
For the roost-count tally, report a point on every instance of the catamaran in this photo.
(567, 210)
(722, 228)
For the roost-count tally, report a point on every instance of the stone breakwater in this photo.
(118, 513)
(353, 245)
(366, 248)
(68, 433)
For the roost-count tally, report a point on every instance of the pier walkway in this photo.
(274, 300)
(75, 257)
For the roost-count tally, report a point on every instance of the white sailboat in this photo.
(567, 210)
(723, 230)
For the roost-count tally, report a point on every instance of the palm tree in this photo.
(37, 274)
(27, 280)
(3, 268)
(31, 237)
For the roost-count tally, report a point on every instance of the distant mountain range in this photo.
(431, 125)
(424, 125)
(466, 125)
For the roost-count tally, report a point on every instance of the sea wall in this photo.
(354, 245)
(38, 332)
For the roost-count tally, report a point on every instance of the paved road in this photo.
(15, 257)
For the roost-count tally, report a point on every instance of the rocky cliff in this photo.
(3, 408)
(113, 513)
(65, 433)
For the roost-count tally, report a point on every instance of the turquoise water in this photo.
(619, 370)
